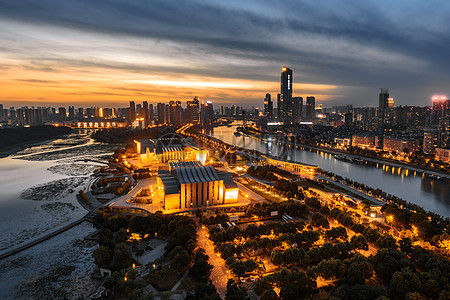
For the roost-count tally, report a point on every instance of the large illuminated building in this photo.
(165, 150)
(188, 184)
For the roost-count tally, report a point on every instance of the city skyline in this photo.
(109, 53)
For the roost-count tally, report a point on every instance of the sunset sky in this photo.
(108, 52)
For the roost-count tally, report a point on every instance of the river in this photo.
(37, 196)
(432, 195)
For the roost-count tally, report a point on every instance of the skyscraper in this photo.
(268, 106)
(175, 112)
(207, 112)
(286, 94)
(145, 113)
(279, 107)
(383, 105)
(162, 117)
(132, 113)
(150, 114)
(193, 110)
(310, 111)
(297, 109)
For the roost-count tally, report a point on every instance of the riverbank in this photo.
(385, 161)
(16, 139)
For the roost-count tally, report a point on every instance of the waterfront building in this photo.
(290, 165)
(363, 141)
(443, 154)
(189, 184)
(169, 149)
(343, 141)
(430, 140)
(400, 145)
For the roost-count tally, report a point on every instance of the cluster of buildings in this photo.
(290, 110)
(195, 112)
(136, 115)
(184, 181)
(386, 127)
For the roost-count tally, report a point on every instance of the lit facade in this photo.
(442, 154)
(398, 145)
(167, 150)
(363, 141)
(189, 184)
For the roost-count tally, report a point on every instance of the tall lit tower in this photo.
(286, 94)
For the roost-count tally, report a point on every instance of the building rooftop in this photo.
(171, 185)
(192, 171)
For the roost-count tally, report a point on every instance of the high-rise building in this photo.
(71, 112)
(297, 109)
(175, 112)
(441, 107)
(310, 110)
(145, 113)
(132, 113)
(193, 110)
(268, 106)
(383, 105)
(279, 107)
(62, 113)
(162, 116)
(430, 140)
(150, 114)
(286, 95)
(207, 112)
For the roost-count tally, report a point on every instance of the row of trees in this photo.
(290, 207)
(253, 231)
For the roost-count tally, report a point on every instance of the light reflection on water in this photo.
(431, 194)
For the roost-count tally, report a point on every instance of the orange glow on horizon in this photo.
(95, 85)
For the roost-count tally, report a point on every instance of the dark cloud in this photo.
(358, 45)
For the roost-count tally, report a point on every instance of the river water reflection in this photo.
(433, 195)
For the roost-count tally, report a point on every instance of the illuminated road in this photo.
(219, 275)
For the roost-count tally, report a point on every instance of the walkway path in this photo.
(174, 288)
(45, 237)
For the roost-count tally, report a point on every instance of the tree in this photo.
(201, 270)
(270, 295)
(403, 282)
(102, 256)
(122, 256)
(205, 291)
(387, 241)
(234, 292)
(405, 245)
(359, 242)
